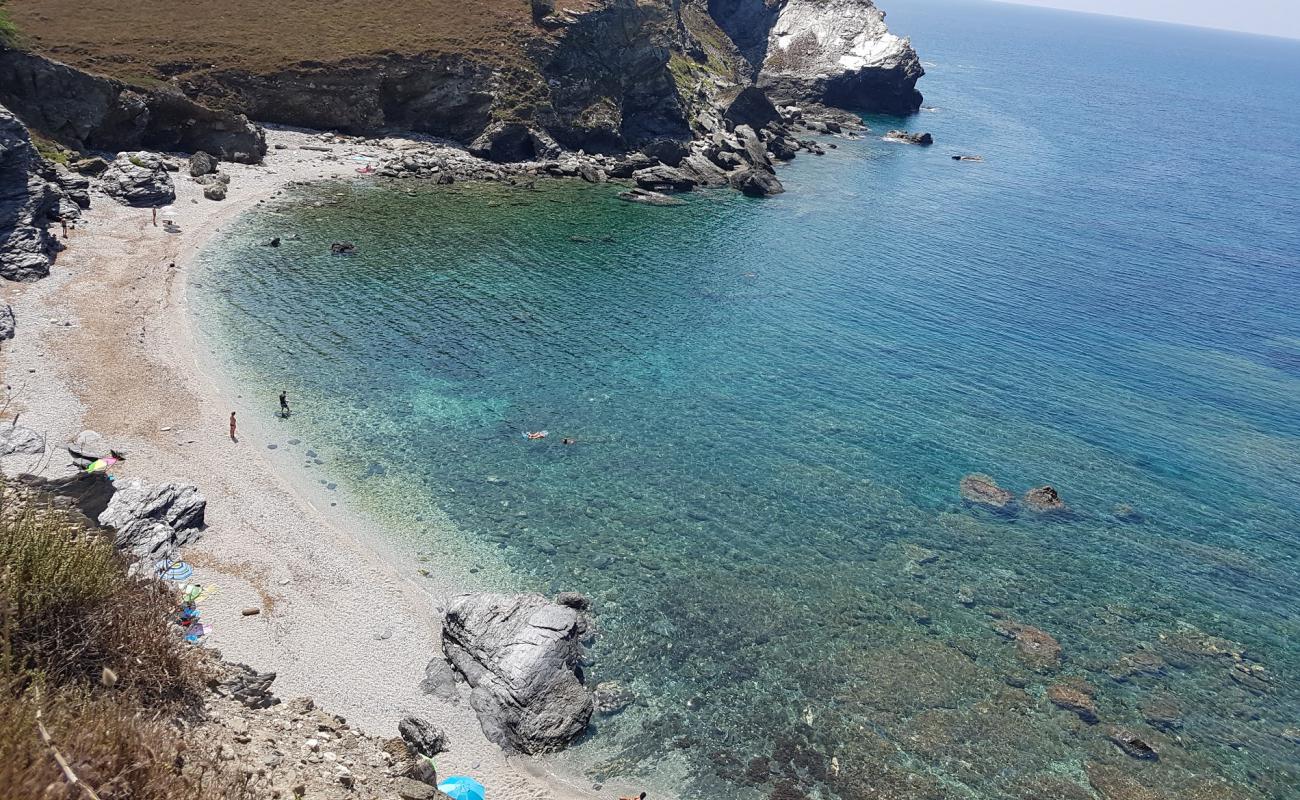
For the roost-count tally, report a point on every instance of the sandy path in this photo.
(105, 343)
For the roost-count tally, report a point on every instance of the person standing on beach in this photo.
(155, 216)
(232, 427)
(284, 403)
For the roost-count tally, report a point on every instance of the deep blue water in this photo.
(774, 402)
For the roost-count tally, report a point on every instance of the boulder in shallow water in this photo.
(910, 138)
(650, 198)
(756, 183)
(1073, 699)
(1131, 743)
(1044, 500)
(1035, 647)
(980, 489)
(520, 654)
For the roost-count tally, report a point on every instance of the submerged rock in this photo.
(908, 137)
(650, 198)
(612, 697)
(1132, 744)
(1037, 648)
(1044, 500)
(981, 489)
(520, 654)
(1073, 699)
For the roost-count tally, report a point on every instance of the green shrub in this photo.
(8, 31)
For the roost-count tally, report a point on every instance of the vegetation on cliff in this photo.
(93, 683)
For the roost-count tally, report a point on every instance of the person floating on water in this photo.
(639, 797)
(232, 427)
(535, 435)
(284, 404)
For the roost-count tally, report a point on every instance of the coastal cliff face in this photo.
(86, 111)
(27, 202)
(598, 75)
(838, 52)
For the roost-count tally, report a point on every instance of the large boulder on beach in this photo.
(138, 179)
(202, 164)
(520, 654)
(88, 447)
(151, 520)
(19, 440)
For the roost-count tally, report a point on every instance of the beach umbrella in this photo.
(458, 787)
(174, 571)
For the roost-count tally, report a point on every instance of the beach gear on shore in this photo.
(174, 570)
(459, 787)
(101, 463)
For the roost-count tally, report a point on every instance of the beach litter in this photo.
(459, 787)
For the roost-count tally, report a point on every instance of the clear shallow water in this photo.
(775, 401)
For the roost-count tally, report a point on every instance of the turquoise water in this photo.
(774, 402)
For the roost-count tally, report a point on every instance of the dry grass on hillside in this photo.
(134, 39)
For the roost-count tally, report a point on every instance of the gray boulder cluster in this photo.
(521, 654)
(138, 179)
(153, 520)
(978, 489)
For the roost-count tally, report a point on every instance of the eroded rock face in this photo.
(152, 520)
(27, 202)
(520, 655)
(838, 52)
(138, 179)
(87, 111)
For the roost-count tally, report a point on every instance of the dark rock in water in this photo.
(1127, 514)
(1132, 744)
(275, 242)
(1136, 664)
(982, 490)
(757, 183)
(782, 148)
(1037, 648)
(422, 737)
(27, 204)
(753, 108)
(575, 600)
(1252, 677)
(153, 520)
(1161, 711)
(202, 164)
(649, 198)
(612, 697)
(1044, 500)
(910, 138)
(663, 177)
(1073, 699)
(520, 654)
(138, 179)
(343, 248)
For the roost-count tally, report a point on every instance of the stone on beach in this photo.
(20, 440)
(138, 179)
(88, 447)
(520, 654)
(202, 164)
(153, 520)
(422, 737)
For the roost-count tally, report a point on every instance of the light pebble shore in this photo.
(106, 343)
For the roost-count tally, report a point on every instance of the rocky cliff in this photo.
(27, 203)
(838, 52)
(598, 75)
(86, 111)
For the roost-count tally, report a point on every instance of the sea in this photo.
(773, 402)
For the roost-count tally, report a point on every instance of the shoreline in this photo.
(109, 342)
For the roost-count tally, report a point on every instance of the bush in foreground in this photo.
(95, 689)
